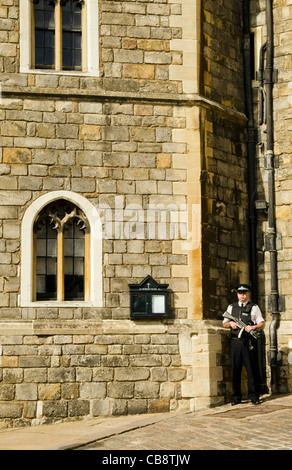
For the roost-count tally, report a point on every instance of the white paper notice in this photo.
(158, 303)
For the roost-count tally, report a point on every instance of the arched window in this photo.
(61, 251)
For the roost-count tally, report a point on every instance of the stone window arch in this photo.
(61, 256)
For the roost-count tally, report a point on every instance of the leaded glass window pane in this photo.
(74, 262)
(44, 19)
(46, 262)
(71, 36)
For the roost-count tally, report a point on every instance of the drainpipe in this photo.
(273, 304)
(260, 77)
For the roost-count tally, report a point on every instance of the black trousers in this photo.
(242, 355)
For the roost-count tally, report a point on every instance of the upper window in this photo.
(59, 36)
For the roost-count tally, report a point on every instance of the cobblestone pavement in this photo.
(267, 426)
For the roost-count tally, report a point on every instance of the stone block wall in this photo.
(109, 370)
(128, 162)
(222, 66)
(73, 371)
(225, 212)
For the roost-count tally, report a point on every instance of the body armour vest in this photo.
(243, 314)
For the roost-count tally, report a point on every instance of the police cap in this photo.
(243, 288)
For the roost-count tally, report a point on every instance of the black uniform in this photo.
(243, 351)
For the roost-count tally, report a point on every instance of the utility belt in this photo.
(233, 334)
(250, 342)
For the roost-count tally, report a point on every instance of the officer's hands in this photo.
(234, 325)
(248, 328)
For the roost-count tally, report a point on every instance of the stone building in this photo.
(124, 154)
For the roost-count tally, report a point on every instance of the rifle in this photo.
(240, 323)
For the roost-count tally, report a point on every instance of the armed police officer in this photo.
(243, 344)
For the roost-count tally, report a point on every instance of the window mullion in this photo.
(60, 266)
(58, 36)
